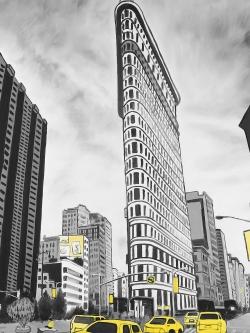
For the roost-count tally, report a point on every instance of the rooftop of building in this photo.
(21, 86)
(136, 8)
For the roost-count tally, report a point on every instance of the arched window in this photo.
(127, 24)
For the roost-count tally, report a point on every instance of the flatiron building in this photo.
(159, 240)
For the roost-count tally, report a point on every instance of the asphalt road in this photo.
(241, 324)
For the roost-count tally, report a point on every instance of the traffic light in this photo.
(175, 284)
(53, 293)
(111, 298)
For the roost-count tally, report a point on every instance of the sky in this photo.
(64, 52)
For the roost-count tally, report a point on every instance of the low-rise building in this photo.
(64, 263)
(67, 276)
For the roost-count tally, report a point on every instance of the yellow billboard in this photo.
(72, 246)
(247, 242)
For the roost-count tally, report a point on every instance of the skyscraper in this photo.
(159, 237)
(224, 265)
(203, 232)
(98, 230)
(23, 134)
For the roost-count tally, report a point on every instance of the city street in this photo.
(240, 324)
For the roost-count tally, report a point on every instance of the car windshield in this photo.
(84, 320)
(158, 321)
(192, 313)
(208, 316)
(101, 327)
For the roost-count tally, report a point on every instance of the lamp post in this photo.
(246, 232)
(221, 217)
(99, 288)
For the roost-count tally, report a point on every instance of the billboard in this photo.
(72, 246)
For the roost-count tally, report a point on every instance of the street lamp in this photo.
(221, 217)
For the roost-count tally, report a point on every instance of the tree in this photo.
(4, 318)
(21, 311)
(45, 306)
(59, 306)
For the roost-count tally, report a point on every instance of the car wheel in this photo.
(180, 331)
(171, 331)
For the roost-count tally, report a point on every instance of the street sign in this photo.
(163, 307)
(175, 285)
(151, 279)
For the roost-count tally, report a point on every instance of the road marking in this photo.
(190, 330)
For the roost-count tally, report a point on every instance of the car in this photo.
(112, 326)
(80, 322)
(210, 322)
(190, 318)
(163, 324)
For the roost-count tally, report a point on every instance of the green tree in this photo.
(59, 306)
(45, 306)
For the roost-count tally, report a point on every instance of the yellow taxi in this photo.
(190, 318)
(112, 326)
(163, 324)
(211, 322)
(80, 322)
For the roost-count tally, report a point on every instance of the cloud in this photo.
(64, 52)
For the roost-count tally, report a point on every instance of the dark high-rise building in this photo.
(205, 247)
(22, 153)
(159, 239)
(245, 125)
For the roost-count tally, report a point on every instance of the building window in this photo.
(137, 210)
(136, 194)
(134, 147)
(136, 178)
(134, 163)
(133, 132)
(131, 93)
